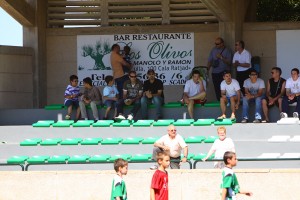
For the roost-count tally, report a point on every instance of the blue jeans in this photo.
(157, 101)
(246, 102)
(286, 102)
(134, 110)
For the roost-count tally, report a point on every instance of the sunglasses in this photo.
(218, 44)
(132, 76)
(173, 130)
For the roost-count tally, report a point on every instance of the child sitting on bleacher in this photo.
(71, 97)
(110, 96)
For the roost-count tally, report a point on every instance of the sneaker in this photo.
(245, 120)
(257, 121)
(120, 117)
(154, 167)
(295, 115)
(283, 115)
(222, 117)
(67, 117)
(130, 117)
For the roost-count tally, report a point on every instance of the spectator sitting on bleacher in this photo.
(132, 93)
(152, 93)
(219, 147)
(71, 97)
(292, 94)
(91, 96)
(254, 90)
(110, 96)
(230, 93)
(274, 92)
(194, 92)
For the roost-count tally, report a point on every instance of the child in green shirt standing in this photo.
(230, 185)
(118, 191)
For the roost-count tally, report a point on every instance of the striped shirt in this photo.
(71, 91)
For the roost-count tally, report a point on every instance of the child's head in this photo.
(109, 80)
(87, 81)
(229, 158)
(126, 50)
(221, 133)
(74, 80)
(163, 159)
(121, 166)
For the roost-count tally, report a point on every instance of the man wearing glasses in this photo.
(132, 93)
(172, 143)
(219, 60)
(254, 89)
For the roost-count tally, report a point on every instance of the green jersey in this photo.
(118, 189)
(230, 182)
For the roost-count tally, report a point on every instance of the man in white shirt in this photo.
(254, 90)
(173, 143)
(194, 92)
(230, 93)
(292, 94)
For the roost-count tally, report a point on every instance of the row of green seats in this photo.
(104, 158)
(127, 123)
(108, 141)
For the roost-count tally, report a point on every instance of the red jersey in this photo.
(160, 185)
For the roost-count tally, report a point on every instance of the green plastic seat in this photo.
(99, 158)
(194, 139)
(71, 141)
(91, 141)
(212, 104)
(43, 123)
(79, 159)
(103, 123)
(150, 140)
(37, 159)
(83, 123)
(163, 122)
(143, 123)
(223, 122)
(54, 107)
(123, 123)
(31, 142)
(123, 156)
(203, 122)
(189, 157)
(200, 156)
(51, 142)
(183, 122)
(172, 105)
(17, 159)
(63, 123)
(130, 140)
(111, 141)
(58, 159)
(210, 139)
(141, 157)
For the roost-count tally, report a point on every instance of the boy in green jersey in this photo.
(118, 191)
(230, 185)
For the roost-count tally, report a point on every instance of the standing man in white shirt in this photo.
(230, 93)
(173, 143)
(242, 62)
(292, 94)
(194, 92)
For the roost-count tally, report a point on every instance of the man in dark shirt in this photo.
(152, 93)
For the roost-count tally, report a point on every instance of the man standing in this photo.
(230, 91)
(117, 63)
(219, 60)
(242, 63)
(173, 143)
(194, 92)
(292, 94)
(274, 92)
(254, 88)
(152, 93)
(132, 93)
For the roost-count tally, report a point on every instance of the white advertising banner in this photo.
(171, 55)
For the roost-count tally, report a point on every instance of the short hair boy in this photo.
(110, 96)
(72, 93)
(230, 185)
(119, 191)
(159, 184)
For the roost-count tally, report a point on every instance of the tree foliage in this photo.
(278, 10)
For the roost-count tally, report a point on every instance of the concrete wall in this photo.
(16, 77)
(183, 184)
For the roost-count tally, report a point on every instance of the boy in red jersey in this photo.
(159, 184)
